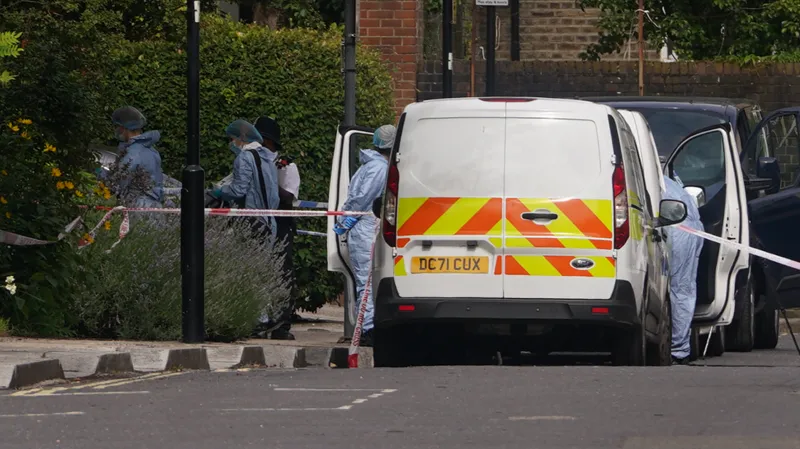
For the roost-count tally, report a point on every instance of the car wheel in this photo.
(741, 332)
(630, 346)
(661, 354)
(767, 326)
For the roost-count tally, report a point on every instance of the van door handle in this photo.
(539, 216)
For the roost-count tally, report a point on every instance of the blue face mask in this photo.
(235, 149)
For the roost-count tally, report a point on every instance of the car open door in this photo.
(771, 164)
(707, 162)
(349, 140)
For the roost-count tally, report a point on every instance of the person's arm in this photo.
(242, 177)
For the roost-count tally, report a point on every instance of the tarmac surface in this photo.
(744, 401)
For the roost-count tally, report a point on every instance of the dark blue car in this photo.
(769, 151)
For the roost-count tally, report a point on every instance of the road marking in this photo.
(57, 391)
(335, 389)
(305, 409)
(359, 401)
(542, 418)
(98, 393)
(37, 415)
(375, 396)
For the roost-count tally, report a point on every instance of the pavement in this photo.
(531, 407)
(29, 361)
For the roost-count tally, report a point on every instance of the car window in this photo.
(628, 142)
(782, 139)
(671, 126)
(701, 162)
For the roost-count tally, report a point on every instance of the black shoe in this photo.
(281, 334)
(366, 339)
(264, 329)
(683, 361)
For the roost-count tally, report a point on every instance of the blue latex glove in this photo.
(338, 230)
(98, 171)
(349, 222)
(216, 193)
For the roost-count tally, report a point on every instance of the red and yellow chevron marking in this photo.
(605, 267)
(449, 216)
(580, 224)
(498, 266)
(399, 266)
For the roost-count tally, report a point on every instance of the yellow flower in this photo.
(78, 194)
(13, 127)
(3, 200)
(69, 185)
(49, 148)
(5, 173)
(107, 195)
(108, 226)
(102, 186)
(8, 214)
(25, 121)
(25, 135)
(88, 238)
(60, 185)
(55, 172)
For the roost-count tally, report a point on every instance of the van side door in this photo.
(349, 140)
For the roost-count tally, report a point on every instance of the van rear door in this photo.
(559, 206)
(450, 189)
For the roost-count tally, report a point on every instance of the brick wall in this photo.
(395, 28)
(773, 86)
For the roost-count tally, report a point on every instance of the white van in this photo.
(520, 216)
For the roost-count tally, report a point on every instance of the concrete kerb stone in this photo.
(153, 360)
(84, 364)
(285, 356)
(338, 358)
(31, 373)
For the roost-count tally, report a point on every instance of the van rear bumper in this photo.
(618, 310)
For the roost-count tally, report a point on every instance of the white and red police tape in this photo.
(756, 252)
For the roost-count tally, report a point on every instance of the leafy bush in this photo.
(247, 71)
(135, 288)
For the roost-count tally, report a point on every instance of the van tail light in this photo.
(621, 224)
(390, 206)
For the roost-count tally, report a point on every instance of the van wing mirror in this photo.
(671, 212)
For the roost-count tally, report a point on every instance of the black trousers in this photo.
(285, 235)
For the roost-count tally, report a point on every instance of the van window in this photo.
(555, 153)
(632, 154)
(357, 143)
(453, 157)
(701, 163)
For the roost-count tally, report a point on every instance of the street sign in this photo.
(491, 2)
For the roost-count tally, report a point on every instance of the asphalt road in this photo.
(752, 403)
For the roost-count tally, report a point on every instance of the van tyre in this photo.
(630, 346)
(660, 354)
(741, 332)
(767, 326)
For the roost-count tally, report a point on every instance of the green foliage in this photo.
(133, 291)
(293, 75)
(739, 30)
(9, 47)
(5, 327)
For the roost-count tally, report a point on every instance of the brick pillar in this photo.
(395, 28)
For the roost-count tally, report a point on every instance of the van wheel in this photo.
(388, 350)
(661, 354)
(630, 346)
(767, 326)
(741, 332)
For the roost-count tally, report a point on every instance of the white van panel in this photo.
(559, 207)
(449, 224)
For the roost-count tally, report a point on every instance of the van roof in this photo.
(438, 106)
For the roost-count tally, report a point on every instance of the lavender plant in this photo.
(136, 288)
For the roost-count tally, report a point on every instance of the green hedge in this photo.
(247, 71)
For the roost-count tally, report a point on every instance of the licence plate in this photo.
(451, 265)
